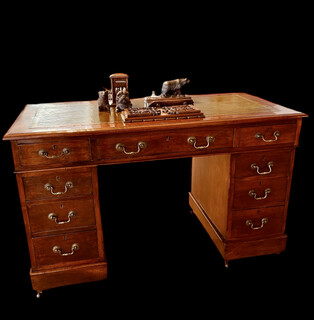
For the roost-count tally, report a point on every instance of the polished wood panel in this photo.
(210, 186)
(39, 212)
(208, 225)
(250, 248)
(34, 183)
(279, 161)
(287, 134)
(275, 222)
(105, 147)
(161, 144)
(77, 150)
(277, 196)
(47, 258)
(52, 278)
(223, 138)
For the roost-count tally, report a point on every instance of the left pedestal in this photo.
(63, 226)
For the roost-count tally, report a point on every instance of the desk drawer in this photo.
(257, 222)
(54, 152)
(266, 163)
(126, 146)
(57, 216)
(259, 193)
(268, 135)
(58, 183)
(68, 249)
(201, 140)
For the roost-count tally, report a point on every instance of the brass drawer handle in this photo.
(49, 186)
(249, 223)
(52, 216)
(45, 154)
(270, 165)
(57, 249)
(253, 194)
(192, 140)
(140, 145)
(260, 136)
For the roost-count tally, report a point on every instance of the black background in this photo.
(158, 254)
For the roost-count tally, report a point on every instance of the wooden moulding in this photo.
(67, 276)
(250, 248)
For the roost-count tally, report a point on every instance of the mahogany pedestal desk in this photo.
(242, 162)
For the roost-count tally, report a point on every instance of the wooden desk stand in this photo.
(243, 154)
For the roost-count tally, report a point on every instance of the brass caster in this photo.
(226, 264)
(38, 295)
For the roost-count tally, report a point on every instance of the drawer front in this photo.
(58, 183)
(257, 222)
(267, 135)
(63, 250)
(55, 216)
(257, 164)
(54, 152)
(124, 146)
(189, 141)
(201, 140)
(259, 193)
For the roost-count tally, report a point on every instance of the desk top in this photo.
(79, 118)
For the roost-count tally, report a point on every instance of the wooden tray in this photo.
(170, 101)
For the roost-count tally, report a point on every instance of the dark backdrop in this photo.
(158, 254)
